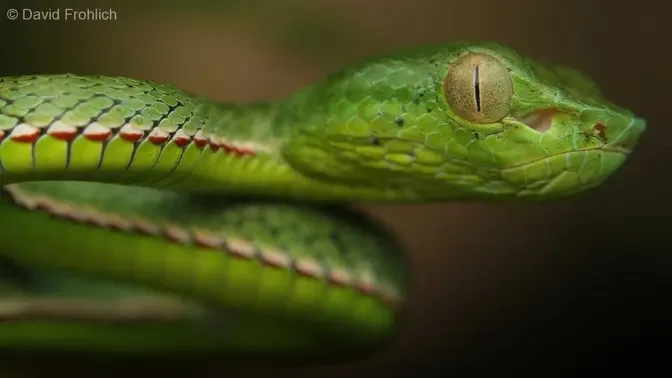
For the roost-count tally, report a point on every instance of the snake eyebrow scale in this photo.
(137, 216)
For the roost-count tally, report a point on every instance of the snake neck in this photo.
(131, 132)
(246, 154)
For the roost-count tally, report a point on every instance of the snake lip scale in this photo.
(139, 218)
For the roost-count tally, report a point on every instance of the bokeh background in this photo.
(580, 284)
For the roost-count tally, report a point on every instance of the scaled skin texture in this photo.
(542, 131)
(229, 222)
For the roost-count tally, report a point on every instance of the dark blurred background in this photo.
(577, 285)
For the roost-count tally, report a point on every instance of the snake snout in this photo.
(625, 141)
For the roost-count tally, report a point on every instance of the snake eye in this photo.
(478, 88)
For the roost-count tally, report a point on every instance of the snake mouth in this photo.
(618, 150)
(610, 150)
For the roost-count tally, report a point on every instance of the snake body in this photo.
(139, 218)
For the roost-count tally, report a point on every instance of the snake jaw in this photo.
(550, 153)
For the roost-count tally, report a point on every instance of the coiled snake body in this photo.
(138, 218)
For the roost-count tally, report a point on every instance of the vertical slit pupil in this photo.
(477, 88)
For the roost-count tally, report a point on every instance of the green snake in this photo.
(137, 218)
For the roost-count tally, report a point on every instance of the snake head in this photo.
(461, 120)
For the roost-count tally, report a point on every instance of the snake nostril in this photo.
(600, 130)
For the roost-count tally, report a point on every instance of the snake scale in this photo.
(137, 218)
